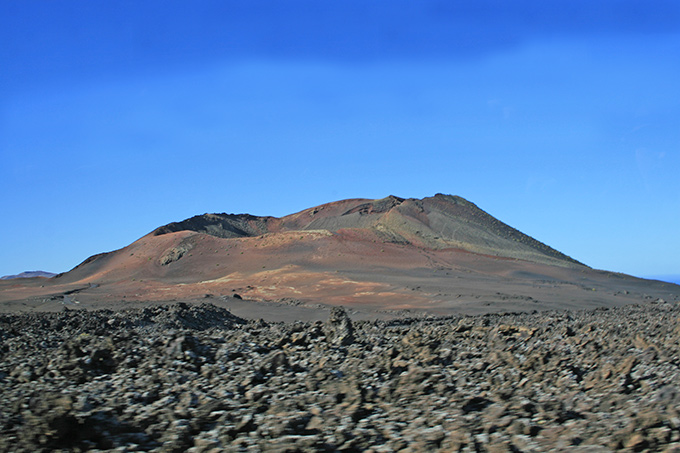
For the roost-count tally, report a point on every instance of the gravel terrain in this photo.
(197, 378)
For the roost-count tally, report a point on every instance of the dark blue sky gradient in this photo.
(47, 42)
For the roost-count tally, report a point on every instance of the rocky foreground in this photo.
(196, 378)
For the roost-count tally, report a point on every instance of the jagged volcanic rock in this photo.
(196, 378)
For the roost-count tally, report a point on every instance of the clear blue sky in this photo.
(560, 118)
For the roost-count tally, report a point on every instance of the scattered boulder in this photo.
(338, 328)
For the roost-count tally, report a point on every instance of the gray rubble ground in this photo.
(196, 378)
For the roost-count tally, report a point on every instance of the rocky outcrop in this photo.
(175, 253)
(196, 378)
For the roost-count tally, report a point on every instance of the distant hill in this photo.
(439, 254)
(29, 274)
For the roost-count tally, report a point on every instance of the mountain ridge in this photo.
(29, 274)
(401, 227)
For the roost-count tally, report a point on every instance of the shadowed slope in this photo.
(219, 225)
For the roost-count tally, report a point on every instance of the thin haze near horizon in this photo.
(561, 118)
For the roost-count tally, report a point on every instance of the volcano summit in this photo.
(438, 255)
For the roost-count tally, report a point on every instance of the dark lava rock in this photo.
(196, 378)
(338, 328)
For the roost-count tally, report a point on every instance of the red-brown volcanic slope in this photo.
(440, 254)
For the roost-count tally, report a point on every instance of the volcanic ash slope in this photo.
(439, 254)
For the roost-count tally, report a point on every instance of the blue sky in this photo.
(560, 118)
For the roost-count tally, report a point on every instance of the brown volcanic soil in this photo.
(440, 255)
